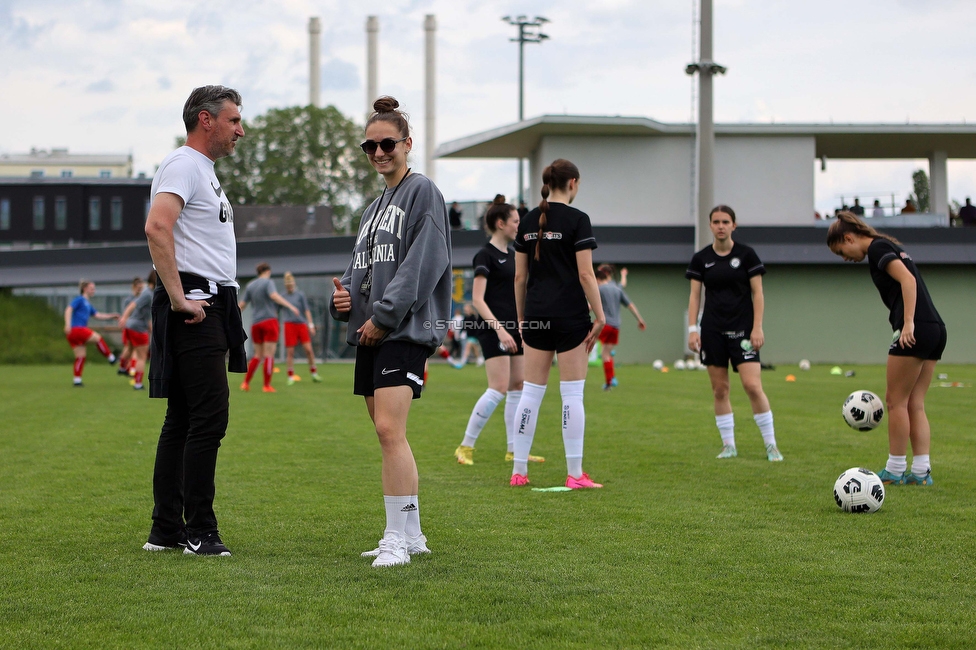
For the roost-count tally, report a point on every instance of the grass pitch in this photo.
(678, 550)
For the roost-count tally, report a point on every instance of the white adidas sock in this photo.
(574, 425)
(527, 417)
(921, 465)
(726, 428)
(897, 464)
(397, 510)
(765, 422)
(512, 398)
(479, 415)
(412, 527)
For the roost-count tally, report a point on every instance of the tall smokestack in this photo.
(430, 98)
(314, 60)
(372, 61)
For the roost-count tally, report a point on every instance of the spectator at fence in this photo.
(857, 208)
(909, 207)
(454, 216)
(878, 211)
(967, 213)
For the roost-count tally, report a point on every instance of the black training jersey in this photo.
(882, 252)
(728, 295)
(553, 289)
(498, 268)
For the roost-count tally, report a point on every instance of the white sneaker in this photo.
(415, 546)
(392, 551)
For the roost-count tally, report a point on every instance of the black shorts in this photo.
(393, 363)
(491, 347)
(556, 335)
(719, 348)
(930, 342)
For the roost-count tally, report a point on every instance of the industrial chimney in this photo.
(314, 60)
(372, 61)
(430, 98)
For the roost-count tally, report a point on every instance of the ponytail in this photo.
(555, 176)
(543, 208)
(848, 223)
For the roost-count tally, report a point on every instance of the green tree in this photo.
(920, 180)
(302, 155)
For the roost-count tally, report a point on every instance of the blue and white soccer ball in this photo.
(863, 410)
(859, 490)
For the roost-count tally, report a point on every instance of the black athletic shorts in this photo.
(719, 348)
(556, 335)
(491, 347)
(393, 363)
(930, 342)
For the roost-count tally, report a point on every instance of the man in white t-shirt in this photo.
(196, 321)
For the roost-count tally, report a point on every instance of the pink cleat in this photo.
(519, 479)
(582, 482)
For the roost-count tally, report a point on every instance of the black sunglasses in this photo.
(386, 144)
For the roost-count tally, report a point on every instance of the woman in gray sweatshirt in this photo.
(396, 297)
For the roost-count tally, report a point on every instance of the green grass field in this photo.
(678, 549)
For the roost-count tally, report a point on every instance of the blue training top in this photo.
(81, 311)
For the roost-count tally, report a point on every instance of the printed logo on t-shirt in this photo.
(215, 189)
(226, 213)
(709, 265)
(735, 262)
(502, 260)
(530, 236)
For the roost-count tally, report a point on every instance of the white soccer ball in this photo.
(859, 490)
(680, 364)
(658, 364)
(863, 410)
(804, 364)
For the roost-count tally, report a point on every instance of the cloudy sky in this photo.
(112, 75)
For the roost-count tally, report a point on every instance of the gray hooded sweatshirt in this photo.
(410, 296)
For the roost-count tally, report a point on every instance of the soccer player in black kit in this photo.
(493, 297)
(554, 280)
(916, 346)
(731, 326)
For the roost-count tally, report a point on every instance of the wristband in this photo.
(692, 329)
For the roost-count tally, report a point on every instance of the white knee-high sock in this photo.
(765, 423)
(479, 415)
(726, 428)
(397, 509)
(412, 527)
(574, 425)
(512, 398)
(527, 416)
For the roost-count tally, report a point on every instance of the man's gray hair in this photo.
(207, 98)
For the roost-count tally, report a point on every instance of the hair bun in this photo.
(386, 104)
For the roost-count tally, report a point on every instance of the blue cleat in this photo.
(891, 479)
(914, 479)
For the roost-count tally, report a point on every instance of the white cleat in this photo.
(392, 551)
(415, 546)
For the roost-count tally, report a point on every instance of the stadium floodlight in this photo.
(530, 31)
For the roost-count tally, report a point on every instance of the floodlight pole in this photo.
(706, 69)
(530, 31)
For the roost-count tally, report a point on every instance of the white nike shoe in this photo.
(392, 551)
(415, 546)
